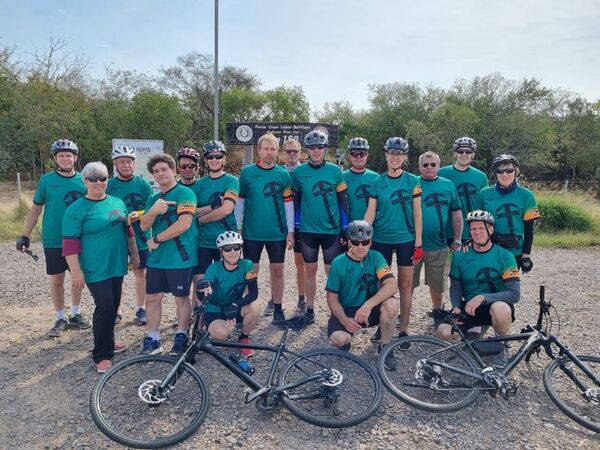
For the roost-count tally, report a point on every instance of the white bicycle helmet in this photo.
(229, 238)
(123, 150)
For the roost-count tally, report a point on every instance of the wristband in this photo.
(156, 241)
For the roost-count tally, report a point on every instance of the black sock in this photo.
(300, 297)
(243, 336)
(277, 307)
(310, 310)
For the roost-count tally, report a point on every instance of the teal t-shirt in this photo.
(228, 286)
(357, 281)
(318, 187)
(180, 252)
(438, 199)
(358, 191)
(56, 193)
(264, 192)
(101, 227)
(468, 185)
(394, 222)
(134, 193)
(511, 210)
(483, 273)
(208, 191)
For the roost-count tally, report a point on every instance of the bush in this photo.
(560, 213)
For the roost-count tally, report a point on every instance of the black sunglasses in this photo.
(363, 243)
(94, 179)
(358, 154)
(500, 171)
(187, 166)
(313, 147)
(231, 248)
(463, 151)
(429, 164)
(292, 151)
(217, 156)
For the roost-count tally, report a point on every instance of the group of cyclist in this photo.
(205, 236)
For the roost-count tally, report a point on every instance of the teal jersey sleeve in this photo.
(39, 198)
(334, 278)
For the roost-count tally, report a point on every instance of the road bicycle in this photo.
(151, 401)
(439, 376)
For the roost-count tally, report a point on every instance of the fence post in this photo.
(566, 186)
(18, 186)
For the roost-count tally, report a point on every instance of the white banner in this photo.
(144, 149)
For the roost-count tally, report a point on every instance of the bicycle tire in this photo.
(355, 396)
(120, 412)
(423, 385)
(567, 396)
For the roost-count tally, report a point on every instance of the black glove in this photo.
(216, 203)
(23, 241)
(231, 311)
(525, 263)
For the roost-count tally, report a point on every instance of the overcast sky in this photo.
(333, 49)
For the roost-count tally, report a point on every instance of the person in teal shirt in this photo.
(134, 191)
(229, 290)
(358, 178)
(55, 192)
(97, 240)
(467, 179)
(170, 214)
(515, 209)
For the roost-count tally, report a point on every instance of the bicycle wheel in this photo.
(335, 389)
(575, 393)
(427, 374)
(128, 408)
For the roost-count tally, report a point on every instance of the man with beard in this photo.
(55, 192)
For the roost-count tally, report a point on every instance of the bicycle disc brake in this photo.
(332, 378)
(593, 396)
(150, 392)
(428, 373)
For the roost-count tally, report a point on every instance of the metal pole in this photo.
(216, 108)
(19, 187)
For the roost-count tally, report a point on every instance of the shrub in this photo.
(561, 213)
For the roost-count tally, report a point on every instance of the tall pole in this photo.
(216, 108)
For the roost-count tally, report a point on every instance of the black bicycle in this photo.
(439, 376)
(151, 401)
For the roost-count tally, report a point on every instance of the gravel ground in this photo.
(46, 383)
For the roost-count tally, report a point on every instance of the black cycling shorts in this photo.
(206, 256)
(335, 325)
(143, 255)
(275, 250)
(297, 245)
(329, 243)
(56, 263)
(175, 281)
(210, 317)
(403, 251)
(482, 316)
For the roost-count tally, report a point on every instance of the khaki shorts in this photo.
(437, 265)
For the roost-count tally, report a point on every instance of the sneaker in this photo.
(104, 366)
(77, 321)
(390, 360)
(150, 346)
(120, 347)
(278, 317)
(246, 352)
(269, 308)
(118, 318)
(377, 336)
(301, 305)
(59, 326)
(309, 317)
(140, 317)
(404, 345)
(180, 343)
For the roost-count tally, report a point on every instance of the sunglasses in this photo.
(363, 243)
(358, 154)
(187, 166)
(292, 151)
(429, 164)
(316, 147)
(396, 153)
(93, 179)
(218, 156)
(231, 248)
(463, 151)
(501, 171)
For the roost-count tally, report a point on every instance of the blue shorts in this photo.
(404, 252)
(175, 281)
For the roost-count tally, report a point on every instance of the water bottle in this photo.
(242, 363)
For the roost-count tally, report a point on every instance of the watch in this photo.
(155, 240)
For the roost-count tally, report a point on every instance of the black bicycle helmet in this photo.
(358, 143)
(504, 159)
(214, 146)
(315, 138)
(480, 216)
(64, 145)
(465, 142)
(359, 230)
(396, 145)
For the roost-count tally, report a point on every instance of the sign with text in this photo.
(248, 133)
(144, 149)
